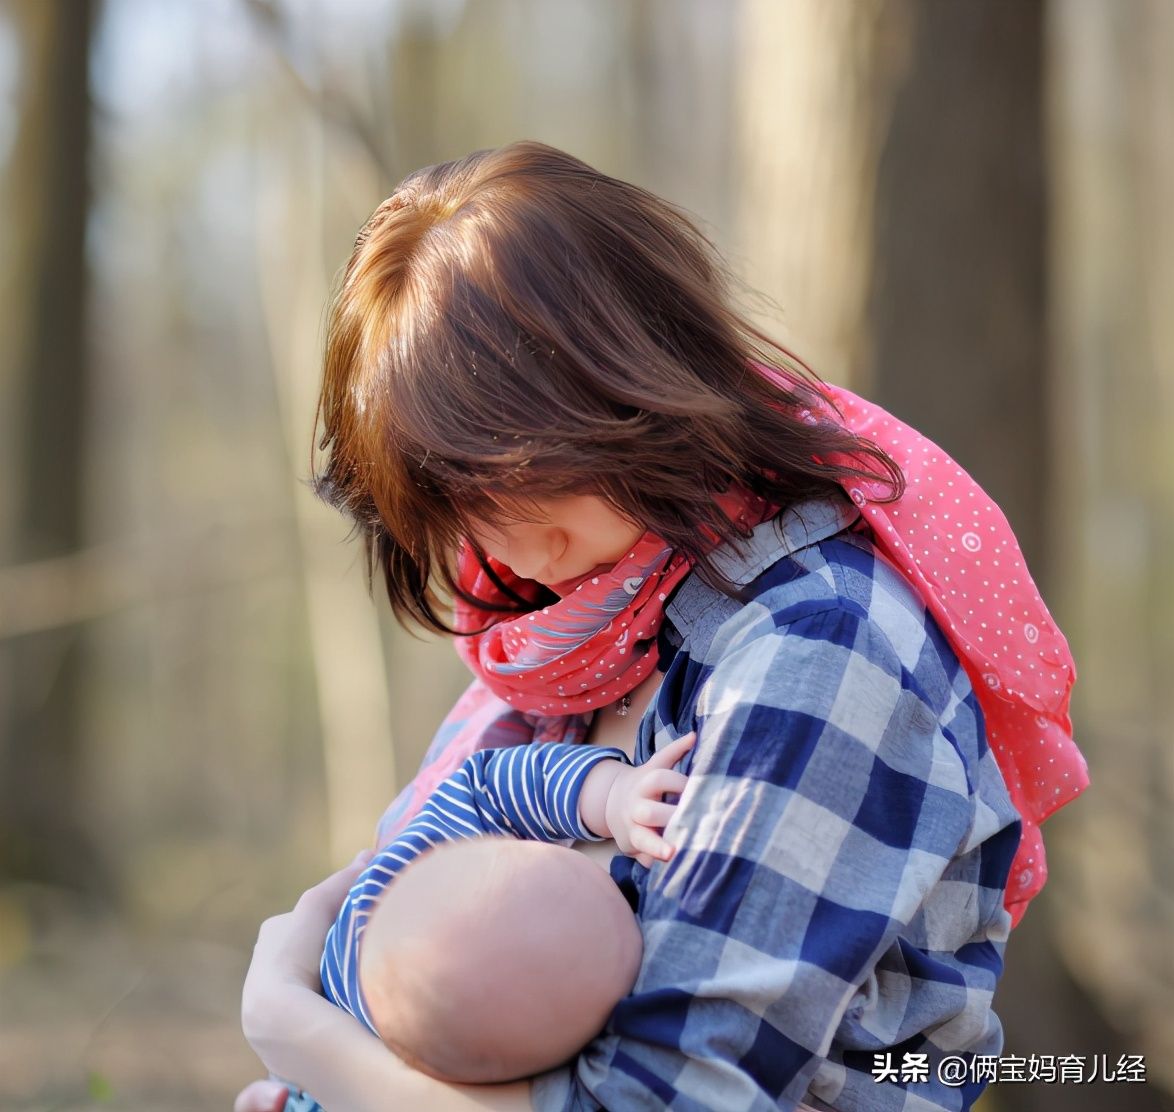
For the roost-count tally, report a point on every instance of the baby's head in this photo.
(493, 959)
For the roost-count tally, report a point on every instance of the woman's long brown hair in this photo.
(516, 325)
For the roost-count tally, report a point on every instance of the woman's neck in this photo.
(612, 727)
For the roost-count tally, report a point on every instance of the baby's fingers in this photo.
(652, 814)
(648, 842)
(672, 753)
(661, 781)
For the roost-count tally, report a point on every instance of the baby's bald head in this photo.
(492, 959)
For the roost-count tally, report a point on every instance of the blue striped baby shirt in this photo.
(843, 847)
(528, 791)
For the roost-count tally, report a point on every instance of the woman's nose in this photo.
(527, 566)
(525, 560)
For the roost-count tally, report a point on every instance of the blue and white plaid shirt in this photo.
(844, 843)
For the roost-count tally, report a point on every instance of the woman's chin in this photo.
(566, 586)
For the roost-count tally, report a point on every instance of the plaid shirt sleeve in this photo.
(830, 803)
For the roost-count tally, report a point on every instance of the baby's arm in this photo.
(622, 802)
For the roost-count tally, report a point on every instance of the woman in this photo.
(538, 400)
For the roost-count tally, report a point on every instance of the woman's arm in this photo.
(331, 1056)
(299, 1035)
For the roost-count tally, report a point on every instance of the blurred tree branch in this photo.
(330, 104)
(63, 591)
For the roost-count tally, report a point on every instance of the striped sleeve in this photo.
(525, 791)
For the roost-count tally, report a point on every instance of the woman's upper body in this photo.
(843, 846)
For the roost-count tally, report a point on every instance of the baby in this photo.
(502, 957)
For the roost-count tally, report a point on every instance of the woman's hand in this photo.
(636, 812)
(283, 977)
(261, 1096)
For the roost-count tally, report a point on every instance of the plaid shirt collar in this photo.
(799, 526)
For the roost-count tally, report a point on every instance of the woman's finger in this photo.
(261, 1096)
(673, 752)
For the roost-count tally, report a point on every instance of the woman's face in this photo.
(563, 541)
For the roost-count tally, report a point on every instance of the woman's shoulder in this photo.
(815, 556)
(831, 631)
(810, 578)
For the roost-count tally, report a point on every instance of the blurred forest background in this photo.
(961, 208)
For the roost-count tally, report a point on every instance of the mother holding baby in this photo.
(652, 521)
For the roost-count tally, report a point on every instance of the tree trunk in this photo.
(957, 299)
(811, 98)
(1112, 125)
(41, 800)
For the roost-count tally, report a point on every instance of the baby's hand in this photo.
(635, 812)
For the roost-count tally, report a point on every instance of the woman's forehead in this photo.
(515, 509)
